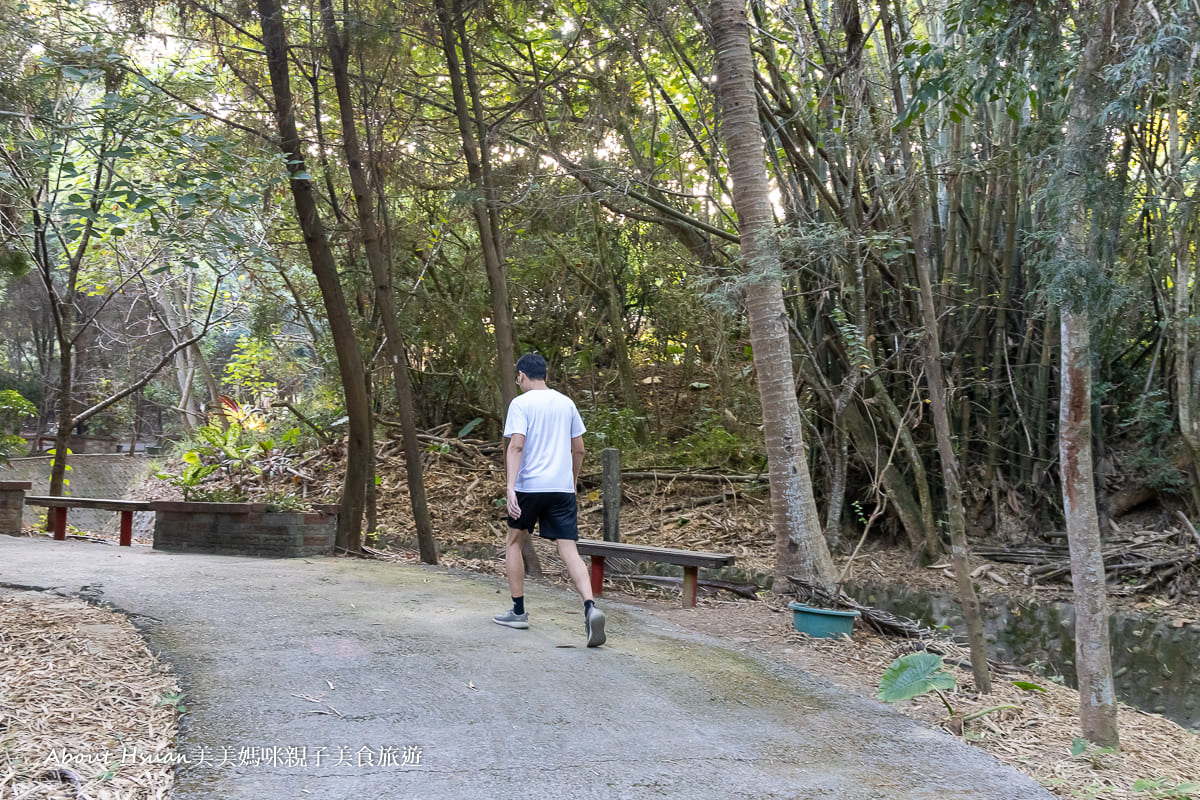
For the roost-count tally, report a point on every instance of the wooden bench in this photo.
(61, 504)
(690, 560)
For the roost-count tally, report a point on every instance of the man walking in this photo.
(545, 453)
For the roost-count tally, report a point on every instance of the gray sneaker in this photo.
(512, 619)
(593, 626)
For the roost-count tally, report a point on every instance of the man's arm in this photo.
(577, 452)
(512, 464)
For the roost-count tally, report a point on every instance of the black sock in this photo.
(519, 605)
(587, 606)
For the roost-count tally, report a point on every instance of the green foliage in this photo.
(13, 262)
(1084, 750)
(216, 450)
(250, 372)
(470, 426)
(229, 448)
(1151, 419)
(322, 407)
(856, 346)
(1167, 788)
(714, 446)
(173, 700)
(10, 444)
(278, 501)
(193, 474)
(914, 675)
(611, 427)
(1029, 686)
(13, 409)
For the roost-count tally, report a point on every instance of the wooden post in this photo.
(610, 461)
(126, 528)
(691, 576)
(597, 576)
(60, 523)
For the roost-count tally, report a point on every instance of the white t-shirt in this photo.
(549, 421)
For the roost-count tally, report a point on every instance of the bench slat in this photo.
(88, 502)
(667, 555)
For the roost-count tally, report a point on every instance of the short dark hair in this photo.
(533, 365)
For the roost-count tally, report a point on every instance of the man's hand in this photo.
(514, 509)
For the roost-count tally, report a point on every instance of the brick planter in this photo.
(243, 529)
(12, 503)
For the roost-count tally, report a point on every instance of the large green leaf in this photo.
(913, 675)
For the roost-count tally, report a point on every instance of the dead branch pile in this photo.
(464, 484)
(1143, 561)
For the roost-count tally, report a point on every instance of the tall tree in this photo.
(1081, 275)
(800, 547)
(350, 363)
(339, 58)
(1186, 305)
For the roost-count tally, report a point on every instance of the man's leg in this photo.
(514, 566)
(569, 553)
(593, 618)
(514, 561)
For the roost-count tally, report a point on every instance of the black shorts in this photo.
(553, 512)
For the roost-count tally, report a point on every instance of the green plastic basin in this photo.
(822, 623)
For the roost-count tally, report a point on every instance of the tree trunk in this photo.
(1081, 194)
(384, 296)
(190, 360)
(371, 496)
(350, 365)
(1187, 392)
(66, 419)
(938, 409)
(927, 532)
(1093, 662)
(837, 485)
(799, 543)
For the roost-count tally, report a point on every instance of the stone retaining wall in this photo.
(243, 529)
(12, 503)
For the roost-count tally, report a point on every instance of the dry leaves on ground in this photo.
(86, 710)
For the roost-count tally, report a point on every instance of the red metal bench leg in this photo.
(597, 575)
(126, 528)
(60, 523)
(690, 577)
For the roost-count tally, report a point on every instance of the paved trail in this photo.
(477, 710)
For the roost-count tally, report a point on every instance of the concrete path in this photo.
(392, 682)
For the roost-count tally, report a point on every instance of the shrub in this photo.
(13, 409)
